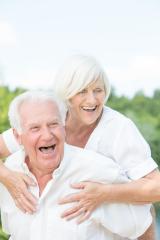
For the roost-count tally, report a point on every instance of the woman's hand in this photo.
(17, 184)
(87, 200)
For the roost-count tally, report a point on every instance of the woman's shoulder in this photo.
(109, 127)
(113, 116)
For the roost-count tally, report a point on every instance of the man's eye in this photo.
(34, 129)
(53, 124)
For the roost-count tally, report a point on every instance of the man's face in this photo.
(42, 135)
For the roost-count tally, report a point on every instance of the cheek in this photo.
(29, 144)
(61, 137)
(102, 99)
(74, 102)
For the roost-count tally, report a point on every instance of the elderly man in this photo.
(37, 125)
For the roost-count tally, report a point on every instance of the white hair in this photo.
(32, 96)
(78, 72)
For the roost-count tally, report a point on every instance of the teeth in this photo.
(89, 108)
(48, 149)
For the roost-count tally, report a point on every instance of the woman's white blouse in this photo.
(10, 141)
(117, 137)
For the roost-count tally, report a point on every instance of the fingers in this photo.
(80, 185)
(29, 181)
(23, 198)
(29, 197)
(75, 197)
(24, 205)
(75, 212)
(27, 201)
(70, 211)
(17, 184)
(84, 216)
(70, 198)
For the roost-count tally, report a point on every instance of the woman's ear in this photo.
(17, 136)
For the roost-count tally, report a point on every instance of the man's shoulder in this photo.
(71, 150)
(89, 156)
(84, 162)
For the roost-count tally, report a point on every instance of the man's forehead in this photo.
(39, 120)
(37, 105)
(37, 101)
(35, 111)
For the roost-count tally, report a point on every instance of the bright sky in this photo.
(36, 36)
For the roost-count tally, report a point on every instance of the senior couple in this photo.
(107, 161)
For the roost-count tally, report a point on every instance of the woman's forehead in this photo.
(95, 83)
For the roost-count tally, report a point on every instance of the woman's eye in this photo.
(83, 91)
(98, 90)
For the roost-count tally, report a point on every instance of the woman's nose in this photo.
(90, 97)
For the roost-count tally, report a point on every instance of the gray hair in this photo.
(32, 96)
(78, 72)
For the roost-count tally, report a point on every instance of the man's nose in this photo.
(47, 134)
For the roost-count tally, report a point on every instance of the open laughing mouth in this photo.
(89, 109)
(47, 149)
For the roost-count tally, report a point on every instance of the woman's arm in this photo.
(4, 152)
(16, 183)
(143, 190)
(91, 195)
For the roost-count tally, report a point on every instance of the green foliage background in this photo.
(143, 110)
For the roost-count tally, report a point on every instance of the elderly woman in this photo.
(82, 84)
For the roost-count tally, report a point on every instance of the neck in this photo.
(42, 181)
(74, 125)
(42, 177)
(78, 133)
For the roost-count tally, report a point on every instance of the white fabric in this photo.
(78, 165)
(117, 137)
(10, 141)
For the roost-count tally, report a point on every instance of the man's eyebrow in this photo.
(54, 119)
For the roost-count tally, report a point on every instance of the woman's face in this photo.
(86, 106)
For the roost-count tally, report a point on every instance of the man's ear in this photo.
(17, 136)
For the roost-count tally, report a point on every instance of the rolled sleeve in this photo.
(142, 169)
(10, 141)
(133, 152)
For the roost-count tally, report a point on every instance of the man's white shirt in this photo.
(105, 223)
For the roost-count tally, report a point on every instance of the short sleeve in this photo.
(125, 220)
(132, 152)
(10, 141)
